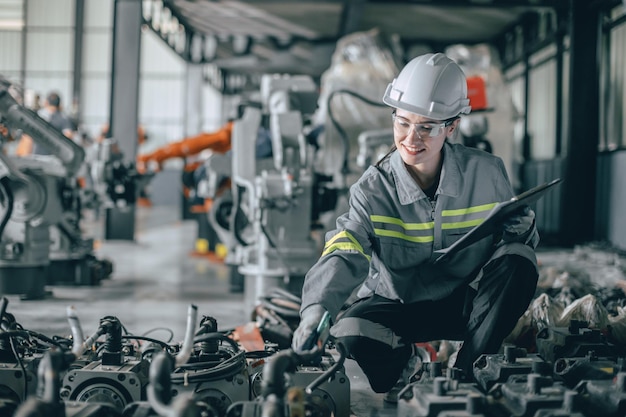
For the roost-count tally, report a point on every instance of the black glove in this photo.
(517, 226)
(310, 318)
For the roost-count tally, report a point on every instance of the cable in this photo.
(226, 369)
(170, 331)
(342, 133)
(236, 215)
(5, 187)
(219, 336)
(148, 339)
(21, 363)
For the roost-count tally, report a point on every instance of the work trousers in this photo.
(480, 318)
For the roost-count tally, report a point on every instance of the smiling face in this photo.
(420, 145)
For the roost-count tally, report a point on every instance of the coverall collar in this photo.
(409, 192)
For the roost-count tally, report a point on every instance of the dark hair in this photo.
(54, 99)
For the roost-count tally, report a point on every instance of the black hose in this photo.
(273, 382)
(330, 371)
(5, 187)
(216, 336)
(342, 133)
(165, 345)
(237, 214)
(3, 306)
(227, 369)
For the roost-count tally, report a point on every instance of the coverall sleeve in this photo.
(345, 261)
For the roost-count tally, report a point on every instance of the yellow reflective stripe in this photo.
(344, 246)
(354, 244)
(347, 235)
(460, 225)
(405, 226)
(469, 210)
(391, 233)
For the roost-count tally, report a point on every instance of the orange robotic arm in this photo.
(218, 141)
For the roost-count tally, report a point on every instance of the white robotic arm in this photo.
(17, 116)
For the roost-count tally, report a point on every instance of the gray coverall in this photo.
(384, 245)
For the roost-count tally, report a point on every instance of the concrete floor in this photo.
(155, 279)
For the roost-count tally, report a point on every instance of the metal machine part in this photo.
(219, 395)
(330, 398)
(15, 385)
(575, 340)
(438, 396)
(115, 379)
(373, 145)
(491, 369)
(603, 398)
(115, 183)
(525, 395)
(117, 385)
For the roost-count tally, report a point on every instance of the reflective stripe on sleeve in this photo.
(344, 241)
(355, 326)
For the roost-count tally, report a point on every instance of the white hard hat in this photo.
(431, 85)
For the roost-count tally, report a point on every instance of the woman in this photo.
(422, 196)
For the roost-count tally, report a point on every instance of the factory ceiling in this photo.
(299, 36)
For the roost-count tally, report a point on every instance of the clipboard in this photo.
(494, 219)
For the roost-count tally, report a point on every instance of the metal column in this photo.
(578, 209)
(79, 29)
(123, 121)
(193, 119)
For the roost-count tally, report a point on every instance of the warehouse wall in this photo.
(39, 55)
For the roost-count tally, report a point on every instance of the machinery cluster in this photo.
(572, 370)
(112, 373)
(42, 198)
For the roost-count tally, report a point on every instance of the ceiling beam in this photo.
(438, 3)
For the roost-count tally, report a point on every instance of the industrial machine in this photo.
(41, 201)
(40, 237)
(267, 220)
(195, 202)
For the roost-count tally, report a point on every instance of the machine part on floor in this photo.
(15, 384)
(160, 396)
(525, 395)
(491, 369)
(116, 385)
(115, 379)
(19, 359)
(426, 372)
(603, 398)
(215, 374)
(576, 340)
(48, 402)
(282, 386)
(442, 394)
(573, 370)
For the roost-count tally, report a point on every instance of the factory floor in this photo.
(155, 278)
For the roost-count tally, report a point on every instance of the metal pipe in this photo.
(185, 352)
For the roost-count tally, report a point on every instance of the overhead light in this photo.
(241, 44)
(210, 47)
(195, 48)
